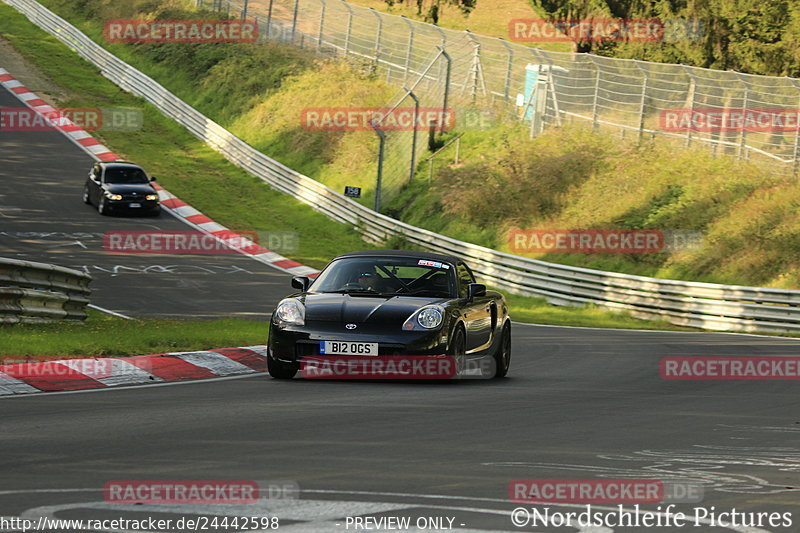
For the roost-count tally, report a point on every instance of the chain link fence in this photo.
(741, 115)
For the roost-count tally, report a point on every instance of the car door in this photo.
(476, 312)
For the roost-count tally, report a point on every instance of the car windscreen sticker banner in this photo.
(434, 264)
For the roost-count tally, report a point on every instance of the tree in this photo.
(430, 10)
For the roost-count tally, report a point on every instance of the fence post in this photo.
(378, 34)
(321, 25)
(595, 109)
(414, 134)
(796, 152)
(742, 153)
(476, 71)
(690, 97)
(294, 18)
(643, 102)
(509, 67)
(379, 178)
(410, 49)
(244, 9)
(446, 83)
(443, 45)
(269, 17)
(349, 28)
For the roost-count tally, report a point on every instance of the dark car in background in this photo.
(119, 186)
(391, 303)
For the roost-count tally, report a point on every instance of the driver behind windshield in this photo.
(369, 280)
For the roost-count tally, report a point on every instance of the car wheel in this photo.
(102, 207)
(280, 370)
(86, 198)
(502, 357)
(458, 349)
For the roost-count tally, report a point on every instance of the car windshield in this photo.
(126, 175)
(387, 276)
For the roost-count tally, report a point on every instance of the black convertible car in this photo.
(383, 303)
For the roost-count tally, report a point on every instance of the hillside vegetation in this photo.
(568, 178)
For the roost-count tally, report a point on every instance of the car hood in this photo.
(121, 188)
(358, 309)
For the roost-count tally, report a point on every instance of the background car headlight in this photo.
(113, 196)
(152, 197)
(429, 317)
(291, 311)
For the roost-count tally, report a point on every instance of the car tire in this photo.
(86, 198)
(502, 357)
(458, 344)
(279, 370)
(102, 207)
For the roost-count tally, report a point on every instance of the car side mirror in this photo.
(301, 282)
(152, 178)
(476, 289)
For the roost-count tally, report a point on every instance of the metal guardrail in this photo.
(702, 305)
(37, 292)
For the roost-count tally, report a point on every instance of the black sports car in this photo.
(383, 303)
(120, 186)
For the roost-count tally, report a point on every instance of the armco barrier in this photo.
(702, 305)
(37, 292)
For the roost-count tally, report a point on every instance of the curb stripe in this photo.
(215, 362)
(96, 373)
(9, 385)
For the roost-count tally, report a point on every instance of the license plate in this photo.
(348, 348)
(135, 205)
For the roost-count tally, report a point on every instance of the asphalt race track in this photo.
(42, 218)
(578, 404)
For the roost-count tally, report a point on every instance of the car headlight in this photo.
(113, 196)
(291, 311)
(152, 197)
(429, 317)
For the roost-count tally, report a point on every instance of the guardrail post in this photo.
(321, 25)
(414, 134)
(378, 34)
(643, 101)
(509, 67)
(269, 17)
(349, 28)
(294, 18)
(410, 49)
